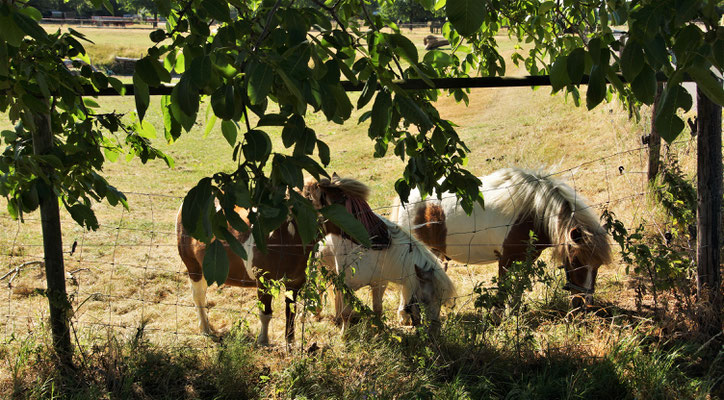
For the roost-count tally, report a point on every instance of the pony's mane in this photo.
(556, 208)
(350, 187)
(411, 252)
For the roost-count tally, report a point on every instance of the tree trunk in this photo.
(155, 19)
(654, 138)
(53, 250)
(709, 198)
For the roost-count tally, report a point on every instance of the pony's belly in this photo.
(473, 249)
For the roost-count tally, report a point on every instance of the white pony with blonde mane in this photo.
(517, 201)
(401, 259)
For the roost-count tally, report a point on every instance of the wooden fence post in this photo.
(708, 216)
(53, 251)
(654, 138)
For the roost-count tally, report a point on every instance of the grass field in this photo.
(137, 329)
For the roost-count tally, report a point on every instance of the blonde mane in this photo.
(557, 209)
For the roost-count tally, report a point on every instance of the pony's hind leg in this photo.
(198, 290)
(265, 314)
(378, 292)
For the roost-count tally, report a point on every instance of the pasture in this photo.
(136, 331)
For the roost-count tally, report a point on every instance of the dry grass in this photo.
(128, 274)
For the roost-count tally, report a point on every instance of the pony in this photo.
(517, 201)
(395, 256)
(286, 260)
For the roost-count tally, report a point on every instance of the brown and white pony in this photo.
(395, 256)
(286, 260)
(517, 201)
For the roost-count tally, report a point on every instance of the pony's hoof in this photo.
(264, 342)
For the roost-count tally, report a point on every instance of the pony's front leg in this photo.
(291, 313)
(342, 310)
(403, 315)
(198, 290)
(265, 314)
(378, 292)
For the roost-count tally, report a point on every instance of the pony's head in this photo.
(434, 290)
(585, 248)
(580, 242)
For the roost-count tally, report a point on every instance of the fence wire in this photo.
(127, 276)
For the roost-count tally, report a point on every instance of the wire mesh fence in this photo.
(127, 276)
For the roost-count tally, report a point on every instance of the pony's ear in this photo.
(422, 274)
(577, 236)
(334, 175)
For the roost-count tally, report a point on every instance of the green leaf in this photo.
(545, 7)
(465, 15)
(222, 101)
(258, 145)
(412, 112)
(293, 130)
(439, 141)
(292, 86)
(339, 216)
(323, 152)
(146, 129)
(656, 52)
(210, 122)
(141, 95)
(171, 127)
(289, 172)
(36, 105)
(196, 204)
(147, 72)
(705, 80)
(306, 217)
(644, 85)
(260, 78)
(667, 123)
(186, 96)
(83, 215)
(381, 114)
(157, 36)
(218, 9)
(200, 71)
(117, 85)
(575, 64)
(438, 59)
(232, 241)
(596, 91)
(305, 142)
(403, 47)
(228, 129)
(216, 263)
(559, 73)
(632, 60)
(10, 31)
(32, 12)
(367, 91)
(30, 27)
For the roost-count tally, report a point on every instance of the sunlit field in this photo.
(134, 317)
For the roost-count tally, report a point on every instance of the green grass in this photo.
(138, 334)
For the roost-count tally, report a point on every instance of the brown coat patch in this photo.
(430, 228)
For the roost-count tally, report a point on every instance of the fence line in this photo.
(90, 259)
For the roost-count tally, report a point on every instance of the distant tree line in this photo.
(401, 11)
(85, 8)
